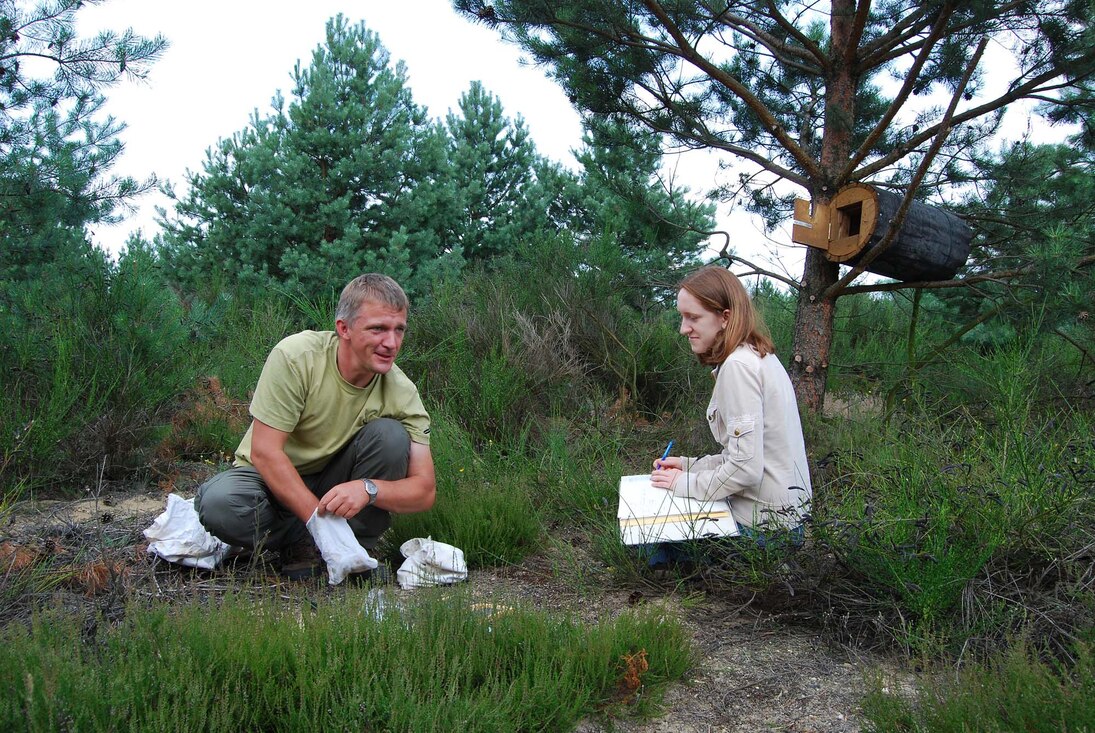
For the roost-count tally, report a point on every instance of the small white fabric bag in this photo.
(339, 547)
(430, 563)
(179, 537)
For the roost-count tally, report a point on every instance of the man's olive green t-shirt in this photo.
(301, 392)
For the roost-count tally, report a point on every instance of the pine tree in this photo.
(818, 96)
(347, 177)
(492, 158)
(624, 194)
(1034, 218)
(56, 146)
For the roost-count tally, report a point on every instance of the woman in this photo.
(753, 413)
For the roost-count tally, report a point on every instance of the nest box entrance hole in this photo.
(848, 220)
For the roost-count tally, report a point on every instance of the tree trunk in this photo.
(813, 335)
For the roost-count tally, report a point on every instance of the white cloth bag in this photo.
(430, 563)
(177, 536)
(339, 547)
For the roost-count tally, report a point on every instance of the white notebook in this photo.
(648, 514)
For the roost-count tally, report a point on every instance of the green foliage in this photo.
(577, 469)
(496, 500)
(86, 377)
(342, 181)
(777, 309)
(484, 501)
(929, 518)
(55, 146)
(1034, 218)
(81, 66)
(504, 353)
(437, 662)
(1015, 690)
(252, 329)
(493, 162)
(869, 342)
(95, 355)
(350, 176)
(624, 196)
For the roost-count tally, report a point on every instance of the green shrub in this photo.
(484, 504)
(437, 661)
(957, 531)
(1013, 691)
(97, 355)
(554, 329)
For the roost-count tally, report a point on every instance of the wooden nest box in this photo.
(931, 245)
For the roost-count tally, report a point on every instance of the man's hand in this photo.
(346, 499)
(339, 547)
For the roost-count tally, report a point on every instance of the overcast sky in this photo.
(229, 57)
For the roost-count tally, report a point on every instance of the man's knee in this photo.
(389, 434)
(384, 446)
(211, 501)
(227, 508)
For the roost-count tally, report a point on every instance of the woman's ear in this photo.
(725, 317)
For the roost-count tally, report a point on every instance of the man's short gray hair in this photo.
(374, 287)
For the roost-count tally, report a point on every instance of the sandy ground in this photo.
(754, 671)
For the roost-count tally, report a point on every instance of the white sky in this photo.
(228, 58)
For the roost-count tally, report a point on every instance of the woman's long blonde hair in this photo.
(720, 290)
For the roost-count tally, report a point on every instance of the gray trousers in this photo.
(237, 507)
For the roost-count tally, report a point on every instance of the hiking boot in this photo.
(238, 556)
(301, 560)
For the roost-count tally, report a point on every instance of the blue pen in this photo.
(666, 454)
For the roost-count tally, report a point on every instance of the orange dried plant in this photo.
(95, 577)
(17, 557)
(635, 666)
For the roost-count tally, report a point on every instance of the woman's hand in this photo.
(670, 462)
(664, 478)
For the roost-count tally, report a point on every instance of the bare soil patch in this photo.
(755, 671)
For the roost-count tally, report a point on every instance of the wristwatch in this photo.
(370, 489)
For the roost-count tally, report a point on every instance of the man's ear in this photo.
(341, 328)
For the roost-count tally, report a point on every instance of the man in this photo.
(338, 430)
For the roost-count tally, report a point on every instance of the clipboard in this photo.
(647, 514)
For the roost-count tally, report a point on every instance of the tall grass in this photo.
(484, 501)
(439, 662)
(1014, 691)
